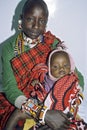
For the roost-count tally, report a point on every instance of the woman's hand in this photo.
(14, 118)
(57, 120)
(43, 127)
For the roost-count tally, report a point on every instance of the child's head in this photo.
(59, 64)
(34, 18)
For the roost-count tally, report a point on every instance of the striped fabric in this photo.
(63, 92)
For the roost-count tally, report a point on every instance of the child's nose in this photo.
(61, 68)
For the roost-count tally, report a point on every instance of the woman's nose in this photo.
(36, 24)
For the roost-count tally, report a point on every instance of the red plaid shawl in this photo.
(22, 65)
(5, 110)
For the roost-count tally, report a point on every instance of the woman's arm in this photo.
(9, 83)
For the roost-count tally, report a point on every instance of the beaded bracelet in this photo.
(31, 108)
(36, 111)
(42, 115)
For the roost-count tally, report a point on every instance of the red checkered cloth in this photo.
(37, 91)
(23, 63)
(5, 110)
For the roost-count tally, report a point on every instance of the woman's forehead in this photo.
(30, 8)
(35, 9)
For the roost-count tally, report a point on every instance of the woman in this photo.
(20, 53)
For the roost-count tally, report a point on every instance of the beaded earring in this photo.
(19, 24)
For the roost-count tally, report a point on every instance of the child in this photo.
(60, 88)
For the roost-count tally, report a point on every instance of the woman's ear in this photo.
(21, 16)
(20, 22)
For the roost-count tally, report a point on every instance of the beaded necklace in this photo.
(19, 47)
(23, 41)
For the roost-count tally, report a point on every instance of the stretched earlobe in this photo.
(19, 24)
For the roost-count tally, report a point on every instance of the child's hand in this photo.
(34, 82)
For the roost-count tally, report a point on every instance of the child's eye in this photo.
(42, 21)
(66, 66)
(55, 67)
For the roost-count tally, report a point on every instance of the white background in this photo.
(68, 21)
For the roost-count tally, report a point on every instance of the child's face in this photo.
(60, 66)
(34, 22)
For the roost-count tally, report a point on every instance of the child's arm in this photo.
(35, 82)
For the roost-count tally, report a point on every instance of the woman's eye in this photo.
(30, 19)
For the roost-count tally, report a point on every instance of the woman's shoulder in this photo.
(10, 42)
(51, 35)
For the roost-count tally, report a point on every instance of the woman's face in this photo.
(34, 22)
